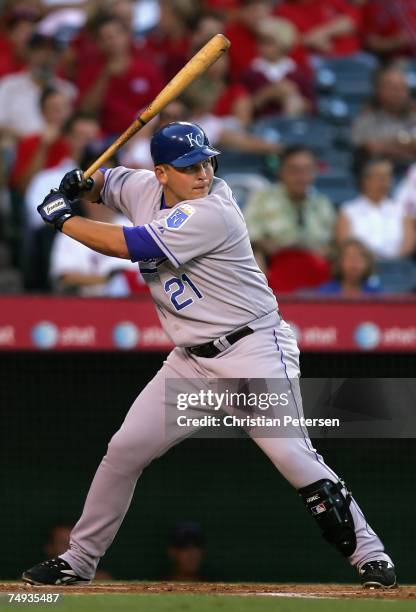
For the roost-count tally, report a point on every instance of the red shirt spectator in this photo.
(242, 32)
(170, 41)
(389, 28)
(276, 82)
(224, 106)
(119, 85)
(170, 53)
(320, 23)
(19, 28)
(243, 48)
(56, 152)
(47, 149)
(125, 94)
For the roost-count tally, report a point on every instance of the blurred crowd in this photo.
(313, 107)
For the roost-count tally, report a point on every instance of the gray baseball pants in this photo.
(270, 352)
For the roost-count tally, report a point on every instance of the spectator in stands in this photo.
(207, 24)
(83, 47)
(389, 28)
(20, 93)
(169, 43)
(327, 27)
(80, 131)
(136, 153)
(277, 84)
(388, 125)
(226, 132)
(186, 553)
(242, 32)
(374, 218)
(57, 541)
(291, 213)
(77, 270)
(49, 147)
(225, 98)
(19, 26)
(353, 272)
(121, 83)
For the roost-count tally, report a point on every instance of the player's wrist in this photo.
(59, 223)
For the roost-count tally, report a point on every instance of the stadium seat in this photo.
(339, 111)
(350, 78)
(397, 276)
(312, 132)
(233, 161)
(336, 159)
(337, 184)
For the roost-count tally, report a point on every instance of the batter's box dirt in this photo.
(336, 591)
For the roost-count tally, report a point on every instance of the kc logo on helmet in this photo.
(195, 139)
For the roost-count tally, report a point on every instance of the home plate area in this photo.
(313, 591)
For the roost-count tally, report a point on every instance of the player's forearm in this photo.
(101, 237)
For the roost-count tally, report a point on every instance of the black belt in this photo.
(211, 349)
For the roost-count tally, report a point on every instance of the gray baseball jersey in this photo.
(209, 282)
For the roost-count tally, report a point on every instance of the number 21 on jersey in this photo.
(176, 287)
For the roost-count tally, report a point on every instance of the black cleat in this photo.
(378, 575)
(54, 571)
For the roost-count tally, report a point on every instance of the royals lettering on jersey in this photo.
(208, 283)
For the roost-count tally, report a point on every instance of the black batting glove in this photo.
(74, 185)
(56, 209)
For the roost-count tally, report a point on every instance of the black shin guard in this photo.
(330, 508)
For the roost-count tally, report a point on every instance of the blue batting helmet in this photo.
(181, 144)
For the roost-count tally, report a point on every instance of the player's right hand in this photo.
(55, 209)
(74, 184)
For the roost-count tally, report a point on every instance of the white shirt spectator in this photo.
(19, 102)
(379, 226)
(64, 16)
(69, 256)
(406, 193)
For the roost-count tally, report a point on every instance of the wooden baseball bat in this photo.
(191, 71)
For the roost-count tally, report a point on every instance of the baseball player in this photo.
(190, 240)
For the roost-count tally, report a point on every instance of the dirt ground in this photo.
(290, 590)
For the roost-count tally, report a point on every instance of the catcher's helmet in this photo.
(181, 144)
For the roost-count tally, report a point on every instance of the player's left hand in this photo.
(55, 209)
(74, 185)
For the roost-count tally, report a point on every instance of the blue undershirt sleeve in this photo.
(140, 244)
